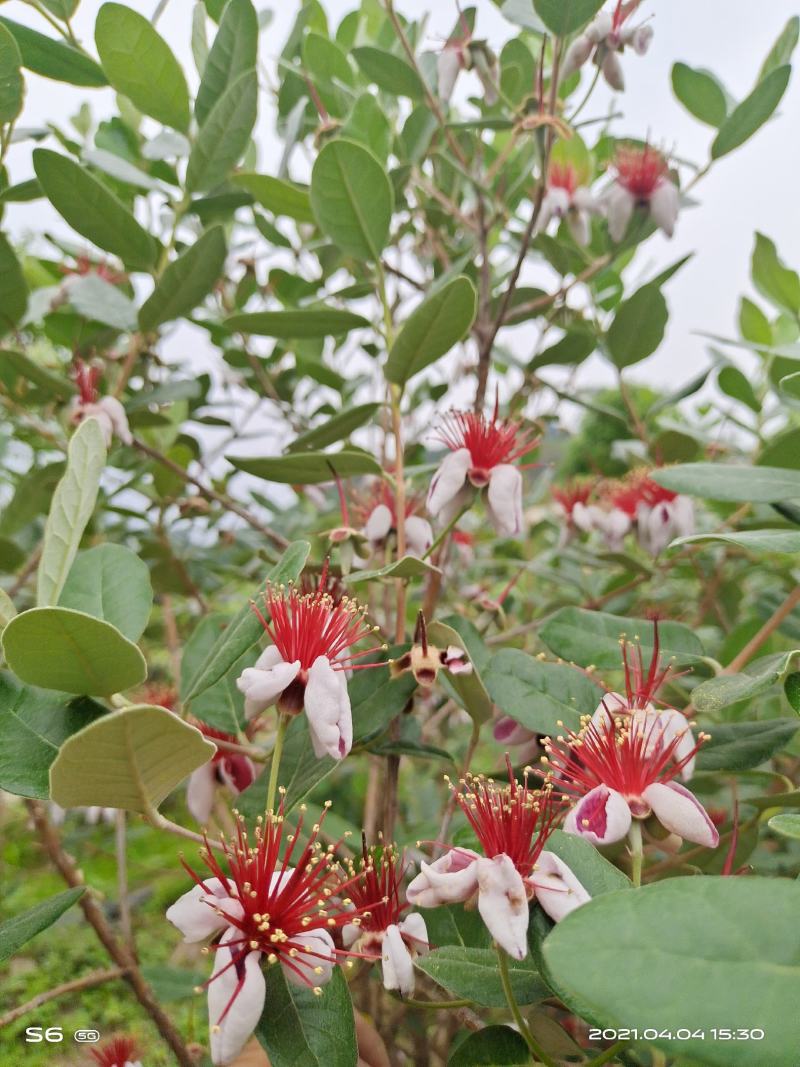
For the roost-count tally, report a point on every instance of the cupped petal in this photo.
(577, 54)
(200, 793)
(197, 913)
(379, 523)
(448, 66)
(419, 535)
(503, 903)
(600, 27)
(612, 704)
(670, 726)
(579, 226)
(327, 705)
(313, 965)
(244, 982)
(398, 967)
(619, 205)
(664, 205)
(504, 499)
(640, 37)
(415, 932)
(612, 70)
(451, 879)
(602, 816)
(119, 420)
(683, 516)
(237, 772)
(682, 813)
(557, 889)
(509, 732)
(448, 480)
(262, 687)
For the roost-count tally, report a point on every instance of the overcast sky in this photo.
(755, 188)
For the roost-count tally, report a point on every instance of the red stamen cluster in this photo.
(562, 176)
(637, 488)
(84, 266)
(512, 819)
(377, 887)
(382, 493)
(489, 442)
(160, 694)
(87, 379)
(285, 890)
(578, 491)
(640, 170)
(115, 1053)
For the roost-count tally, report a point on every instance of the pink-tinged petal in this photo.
(119, 420)
(237, 772)
(579, 226)
(196, 913)
(448, 66)
(419, 535)
(503, 903)
(509, 732)
(398, 967)
(602, 816)
(661, 728)
(315, 960)
(612, 71)
(245, 983)
(451, 879)
(448, 480)
(327, 706)
(682, 813)
(683, 516)
(200, 793)
(379, 523)
(262, 687)
(619, 205)
(664, 205)
(557, 889)
(640, 39)
(504, 499)
(577, 54)
(456, 660)
(600, 27)
(582, 517)
(415, 933)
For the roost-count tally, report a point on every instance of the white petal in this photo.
(229, 1036)
(106, 423)
(448, 480)
(200, 793)
(600, 27)
(379, 523)
(557, 889)
(398, 967)
(509, 732)
(640, 38)
(664, 204)
(503, 903)
(315, 960)
(612, 71)
(681, 812)
(582, 517)
(683, 516)
(419, 535)
(577, 54)
(619, 204)
(612, 704)
(504, 499)
(661, 728)
(327, 706)
(270, 657)
(451, 879)
(119, 420)
(448, 66)
(602, 816)
(262, 688)
(613, 525)
(195, 913)
(579, 227)
(415, 931)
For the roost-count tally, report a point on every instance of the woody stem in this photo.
(637, 852)
(275, 763)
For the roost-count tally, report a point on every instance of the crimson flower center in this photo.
(640, 170)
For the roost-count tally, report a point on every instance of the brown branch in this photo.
(766, 631)
(94, 978)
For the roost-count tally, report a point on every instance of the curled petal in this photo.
(415, 932)
(640, 39)
(682, 813)
(196, 913)
(237, 772)
(661, 728)
(602, 816)
(600, 27)
(200, 793)
(579, 226)
(557, 889)
(577, 54)
(664, 205)
(263, 685)
(398, 967)
(582, 517)
(683, 516)
(448, 480)
(612, 70)
(613, 525)
(81, 411)
(509, 732)
(504, 499)
(232, 1021)
(379, 523)
(314, 963)
(451, 879)
(448, 66)
(503, 903)
(419, 535)
(327, 707)
(619, 205)
(612, 704)
(116, 414)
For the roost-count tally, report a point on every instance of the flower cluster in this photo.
(566, 197)
(378, 515)
(108, 411)
(228, 768)
(604, 39)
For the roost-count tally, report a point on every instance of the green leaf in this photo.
(276, 195)
(739, 746)
(540, 696)
(13, 288)
(297, 325)
(132, 759)
(368, 125)
(57, 648)
(752, 113)
(595, 873)
(467, 690)
(700, 93)
(786, 825)
(110, 583)
(221, 705)
(791, 687)
(573, 348)
(12, 86)
(638, 327)
(139, 64)
(790, 385)
(7, 609)
(773, 279)
(439, 322)
(756, 678)
(591, 638)
(563, 18)
(389, 72)
(62, 9)
(225, 134)
(300, 1029)
(334, 429)
(71, 508)
(55, 386)
(786, 541)
(33, 725)
(55, 59)
(93, 211)
(736, 384)
(187, 281)
(307, 468)
(473, 973)
(495, 1046)
(735, 483)
(407, 567)
(235, 50)
(697, 952)
(16, 932)
(100, 301)
(781, 51)
(244, 628)
(352, 198)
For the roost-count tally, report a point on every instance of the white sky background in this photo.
(755, 188)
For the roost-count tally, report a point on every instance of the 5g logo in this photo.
(34, 1035)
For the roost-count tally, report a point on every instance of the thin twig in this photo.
(75, 986)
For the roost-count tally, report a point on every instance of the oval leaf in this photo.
(467, 690)
(389, 72)
(278, 196)
(638, 327)
(700, 93)
(13, 288)
(336, 428)
(440, 321)
(735, 483)
(16, 932)
(12, 86)
(752, 113)
(235, 50)
(564, 18)
(756, 678)
(110, 583)
(540, 696)
(186, 281)
(307, 468)
(495, 1046)
(298, 1027)
(738, 746)
(591, 638)
(297, 325)
(54, 59)
(352, 198)
(473, 973)
(225, 134)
